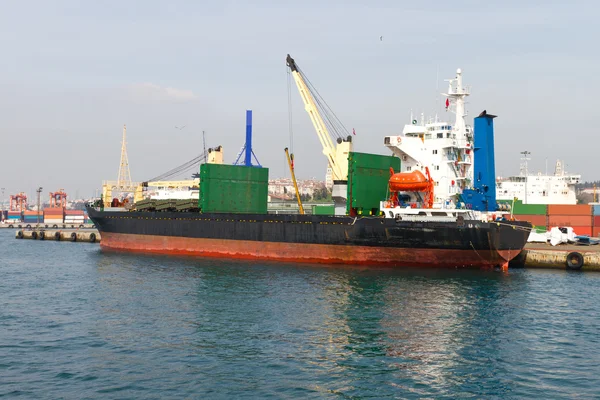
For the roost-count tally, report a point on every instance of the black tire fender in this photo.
(55, 226)
(57, 236)
(34, 235)
(574, 260)
(20, 235)
(92, 237)
(73, 237)
(28, 226)
(42, 235)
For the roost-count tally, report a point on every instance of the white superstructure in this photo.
(445, 148)
(539, 188)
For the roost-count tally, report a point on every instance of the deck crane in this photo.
(326, 124)
(213, 156)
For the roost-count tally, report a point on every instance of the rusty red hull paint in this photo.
(305, 253)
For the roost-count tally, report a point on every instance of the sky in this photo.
(73, 73)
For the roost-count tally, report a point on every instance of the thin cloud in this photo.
(144, 92)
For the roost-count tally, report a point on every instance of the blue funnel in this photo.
(483, 195)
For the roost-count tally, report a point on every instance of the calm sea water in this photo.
(76, 322)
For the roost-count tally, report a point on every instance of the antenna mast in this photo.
(204, 143)
(525, 158)
(124, 177)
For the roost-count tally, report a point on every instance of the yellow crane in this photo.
(336, 153)
(290, 160)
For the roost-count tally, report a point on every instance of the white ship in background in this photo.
(539, 188)
(445, 148)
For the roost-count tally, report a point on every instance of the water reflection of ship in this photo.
(426, 325)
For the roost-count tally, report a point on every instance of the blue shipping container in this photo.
(596, 209)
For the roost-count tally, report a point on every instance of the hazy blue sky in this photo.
(73, 72)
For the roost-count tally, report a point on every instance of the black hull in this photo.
(486, 243)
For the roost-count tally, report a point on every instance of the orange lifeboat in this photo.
(413, 181)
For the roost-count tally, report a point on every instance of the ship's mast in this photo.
(456, 96)
(523, 171)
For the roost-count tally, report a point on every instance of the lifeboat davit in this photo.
(413, 181)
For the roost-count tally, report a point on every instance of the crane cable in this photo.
(334, 124)
(193, 163)
(290, 123)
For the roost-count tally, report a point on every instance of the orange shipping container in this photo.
(597, 220)
(31, 212)
(596, 231)
(569, 209)
(570, 220)
(583, 230)
(536, 220)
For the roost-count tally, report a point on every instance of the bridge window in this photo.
(434, 151)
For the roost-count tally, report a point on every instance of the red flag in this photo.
(353, 131)
(447, 103)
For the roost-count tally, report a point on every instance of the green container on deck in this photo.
(368, 177)
(233, 189)
(529, 209)
(323, 210)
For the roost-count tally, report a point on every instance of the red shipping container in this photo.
(596, 231)
(570, 220)
(569, 209)
(582, 230)
(536, 220)
(73, 212)
(54, 209)
(597, 220)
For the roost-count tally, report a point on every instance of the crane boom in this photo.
(291, 165)
(337, 156)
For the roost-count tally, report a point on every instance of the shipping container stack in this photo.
(74, 217)
(13, 216)
(596, 220)
(32, 217)
(577, 216)
(537, 214)
(53, 215)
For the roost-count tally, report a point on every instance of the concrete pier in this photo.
(67, 235)
(540, 255)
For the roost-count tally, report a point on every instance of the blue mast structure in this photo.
(247, 149)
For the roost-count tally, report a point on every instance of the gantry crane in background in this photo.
(58, 199)
(18, 202)
(329, 129)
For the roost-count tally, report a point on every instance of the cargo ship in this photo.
(382, 214)
(230, 220)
